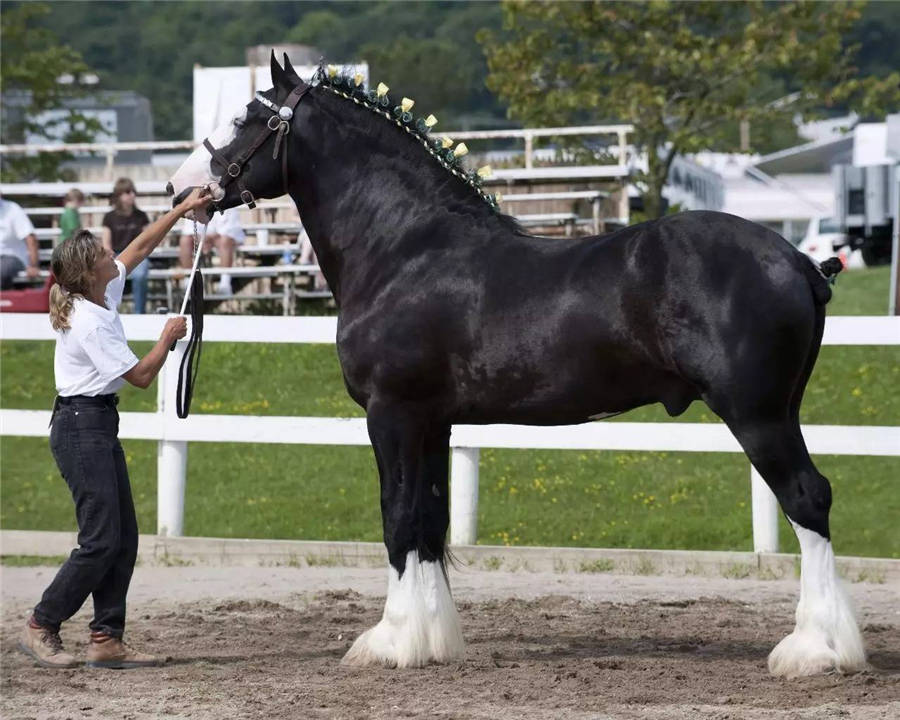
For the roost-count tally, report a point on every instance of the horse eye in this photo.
(238, 122)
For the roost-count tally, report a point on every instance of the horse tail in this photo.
(820, 280)
(821, 277)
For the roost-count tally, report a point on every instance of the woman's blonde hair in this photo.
(72, 264)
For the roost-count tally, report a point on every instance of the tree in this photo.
(683, 73)
(427, 51)
(424, 49)
(31, 65)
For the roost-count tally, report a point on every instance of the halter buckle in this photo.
(247, 199)
(234, 170)
(274, 122)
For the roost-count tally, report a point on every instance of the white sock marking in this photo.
(420, 623)
(826, 635)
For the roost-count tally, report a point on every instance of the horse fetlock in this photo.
(420, 624)
(803, 652)
(820, 645)
(826, 636)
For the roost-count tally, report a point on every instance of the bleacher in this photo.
(265, 268)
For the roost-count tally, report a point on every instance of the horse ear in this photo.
(277, 72)
(289, 69)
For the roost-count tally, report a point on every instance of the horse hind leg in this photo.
(824, 613)
(826, 636)
(420, 623)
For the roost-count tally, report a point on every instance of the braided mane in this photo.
(349, 88)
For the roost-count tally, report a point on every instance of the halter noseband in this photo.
(280, 123)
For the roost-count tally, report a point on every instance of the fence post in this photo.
(529, 150)
(171, 456)
(463, 496)
(765, 514)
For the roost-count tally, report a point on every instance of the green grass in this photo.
(557, 498)
(861, 292)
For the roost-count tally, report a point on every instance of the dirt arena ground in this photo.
(266, 643)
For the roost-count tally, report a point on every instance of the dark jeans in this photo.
(85, 444)
(10, 266)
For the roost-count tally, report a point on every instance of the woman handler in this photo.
(92, 361)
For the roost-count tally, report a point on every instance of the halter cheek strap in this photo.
(280, 123)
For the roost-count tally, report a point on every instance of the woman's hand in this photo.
(175, 329)
(155, 232)
(142, 374)
(198, 198)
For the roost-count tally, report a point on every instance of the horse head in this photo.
(246, 157)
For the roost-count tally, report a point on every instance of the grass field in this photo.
(603, 499)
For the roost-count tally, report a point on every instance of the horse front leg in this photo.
(420, 623)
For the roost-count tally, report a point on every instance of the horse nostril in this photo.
(169, 189)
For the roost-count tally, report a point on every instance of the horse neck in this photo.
(363, 200)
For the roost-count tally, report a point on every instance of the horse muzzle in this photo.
(201, 215)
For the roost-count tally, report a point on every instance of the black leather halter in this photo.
(280, 123)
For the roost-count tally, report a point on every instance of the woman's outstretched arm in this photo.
(153, 234)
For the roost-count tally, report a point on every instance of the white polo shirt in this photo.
(226, 223)
(15, 226)
(92, 355)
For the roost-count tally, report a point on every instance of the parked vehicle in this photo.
(824, 239)
(866, 201)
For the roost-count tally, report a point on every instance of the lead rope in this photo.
(190, 361)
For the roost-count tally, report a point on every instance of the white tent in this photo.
(220, 93)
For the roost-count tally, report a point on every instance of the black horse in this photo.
(450, 313)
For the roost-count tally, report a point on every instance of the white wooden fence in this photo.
(528, 135)
(173, 434)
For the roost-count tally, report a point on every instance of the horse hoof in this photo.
(366, 651)
(801, 654)
(804, 653)
(389, 646)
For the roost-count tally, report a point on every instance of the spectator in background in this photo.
(18, 244)
(70, 220)
(223, 232)
(121, 225)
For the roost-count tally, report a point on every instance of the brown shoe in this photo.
(106, 651)
(45, 647)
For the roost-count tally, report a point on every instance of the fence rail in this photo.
(110, 150)
(173, 434)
